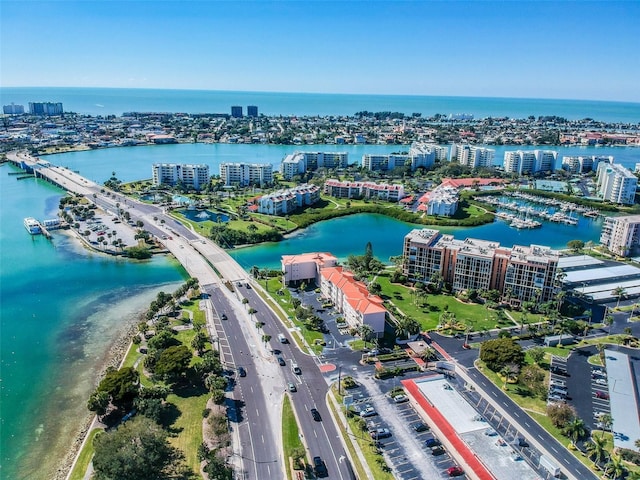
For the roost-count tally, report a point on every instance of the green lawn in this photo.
(290, 434)
(85, 456)
(188, 426)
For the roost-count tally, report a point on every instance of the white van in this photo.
(282, 338)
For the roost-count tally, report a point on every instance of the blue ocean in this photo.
(115, 101)
(61, 307)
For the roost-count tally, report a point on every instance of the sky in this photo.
(542, 49)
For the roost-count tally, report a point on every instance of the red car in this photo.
(455, 471)
(603, 395)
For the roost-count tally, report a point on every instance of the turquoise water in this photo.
(61, 308)
(114, 101)
(349, 235)
(134, 163)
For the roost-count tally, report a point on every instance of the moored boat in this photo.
(32, 226)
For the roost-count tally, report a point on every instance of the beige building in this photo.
(520, 273)
(305, 267)
(621, 235)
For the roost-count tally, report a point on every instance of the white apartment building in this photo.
(422, 155)
(443, 201)
(621, 235)
(384, 162)
(525, 162)
(191, 175)
(305, 267)
(369, 190)
(285, 201)
(472, 156)
(352, 299)
(616, 183)
(244, 174)
(584, 164)
(300, 162)
(520, 273)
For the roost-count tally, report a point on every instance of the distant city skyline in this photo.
(564, 50)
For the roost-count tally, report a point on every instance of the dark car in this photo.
(522, 442)
(242, 372)
(223, 316)
(432, 442)
(281, 361)
(316, 415)
(420, 427)
(439, 450)
(380, 433)
(319, 467)
(559, 371)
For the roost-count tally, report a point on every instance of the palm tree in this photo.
(615, 467)
(575, 430)
(619, 292)
(510, 374)
(597, 449)
(601, 347)
(606, 420)
(365, 332)
(406, 326)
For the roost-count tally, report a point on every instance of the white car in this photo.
(368, 411)
(400, 398)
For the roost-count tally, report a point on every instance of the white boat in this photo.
(32, 226)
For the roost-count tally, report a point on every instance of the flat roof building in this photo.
(286, 201)
(191, 175)
(305, 267)
(616, 183)
(621, 235)
(472, 156)
(244, 174)
(298, 163)
(368, 190)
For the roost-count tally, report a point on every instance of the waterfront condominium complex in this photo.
(527, 162)
(305, 267)
(421, 155)
(252, 111)
(243, 174)
(521, 274)
(45, 108)
(621, 235)
(616, 183)
(368, 190)
(472, 156)
(192, 176)
(352, 299)
(300, 162)
(236, 111)
(584, 164)
(286, 201)
(13, 109)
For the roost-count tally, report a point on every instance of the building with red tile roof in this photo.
(352, 299)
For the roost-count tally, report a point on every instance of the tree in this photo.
(266, 339)
(615, 468)
(606, 420)
(537, 354)
(560, 414)
(173, 362)
(575, 429)
(121, 386)
(510, 374)
(500, 352)
(98, 402)
(365, 332)
(575, 245)
(597, 449)
(619, 292)
(137, 450)
(406, 327)
(199, 342)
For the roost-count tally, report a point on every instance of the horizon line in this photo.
(327, 93)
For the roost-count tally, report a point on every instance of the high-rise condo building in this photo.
(13, 109)
(252, 111)
(584, 164)
(616, 183)
(300, 162)
(521, 274)
(243, 174)
(472, 156)
(525, 162)
(236, 111)
(45, 108)
(621, 235)
(192, 176)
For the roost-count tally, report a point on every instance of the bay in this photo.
(116, 101)
(62, 307)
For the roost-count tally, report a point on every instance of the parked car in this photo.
(490, 432)
(432, 442)
(319, 467)
(522, 442)
(437, 451)
(559, 371)
(316, 415)
(603, 395)
(292, 387)
(380, 433)
(420, 427)
(455, 471)
(601, 381)
(242, 372)
(368, 411)
(400, 398)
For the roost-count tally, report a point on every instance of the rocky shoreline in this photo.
(114, 358)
